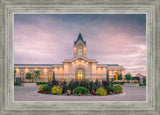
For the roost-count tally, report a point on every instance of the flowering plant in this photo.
(101, 91)
(57, 90)
(46, 92)
(80, 94)
(41, 87)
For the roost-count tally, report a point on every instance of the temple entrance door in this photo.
(79, 74)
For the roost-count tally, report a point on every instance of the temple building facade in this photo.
(79, 67)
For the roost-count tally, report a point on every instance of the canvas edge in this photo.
(5, 63)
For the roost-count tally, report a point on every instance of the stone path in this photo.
(30, 94)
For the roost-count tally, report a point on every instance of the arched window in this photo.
(80, 50)
(22, 77)
(80, 74)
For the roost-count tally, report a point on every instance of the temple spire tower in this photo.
(80, 46)
(80, 30)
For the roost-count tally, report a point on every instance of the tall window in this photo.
(50, 75)
(80, 49)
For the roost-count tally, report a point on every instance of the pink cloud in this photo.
(50, 41)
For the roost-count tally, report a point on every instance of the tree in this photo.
(36, 74)
(28, 76)
(15, 74)
(120, 77)
(107, 76)
(53, 78)
(128, 77)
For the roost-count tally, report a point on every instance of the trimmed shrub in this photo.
(41, 87)
(81, 90)
(112, 89)
(121, 83)
(47, 88)
(57, 90)
(17, 83)
(135, 78)
(118, 88)
(101, 91)
(42, 83)
(140, 84)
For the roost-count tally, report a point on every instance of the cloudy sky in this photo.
(111, 38)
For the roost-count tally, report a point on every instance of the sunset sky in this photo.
(111, 38)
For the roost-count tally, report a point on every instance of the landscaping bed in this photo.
(80, 88)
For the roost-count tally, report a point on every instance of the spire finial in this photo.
(80, 31)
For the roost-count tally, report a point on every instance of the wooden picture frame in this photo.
(7, 10)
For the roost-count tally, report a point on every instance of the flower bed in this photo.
(80, 88)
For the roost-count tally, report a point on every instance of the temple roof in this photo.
(80, 38)
(109, 64)
(79, 57)
(56, 64)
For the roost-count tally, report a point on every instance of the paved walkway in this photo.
(30, 94)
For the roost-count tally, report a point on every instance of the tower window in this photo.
(80, 49)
